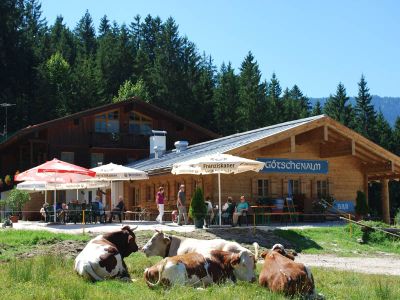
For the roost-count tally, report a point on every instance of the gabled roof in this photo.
(220, 145)
(106, 107)
(248, 141)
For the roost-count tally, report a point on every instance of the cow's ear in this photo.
(126, 228)
(235, 259)
(264, 254)
(290, 256)
(167, 239)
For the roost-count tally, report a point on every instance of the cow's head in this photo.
(278, 248)
(243, 265)
(124, 240)
(158, 245)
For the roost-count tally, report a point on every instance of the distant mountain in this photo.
(390, 106)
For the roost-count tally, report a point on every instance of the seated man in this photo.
(228, 210)
(43, 212)
(117, 210)
(241, 210)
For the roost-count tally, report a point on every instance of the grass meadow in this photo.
(51, 276)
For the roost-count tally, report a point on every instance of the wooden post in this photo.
(385, 201)
(366, 187)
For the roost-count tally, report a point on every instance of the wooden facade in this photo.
(353, 162)
(117, 133)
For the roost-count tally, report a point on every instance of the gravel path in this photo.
(385, 264)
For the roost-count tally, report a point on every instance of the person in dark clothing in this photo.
(118, 210)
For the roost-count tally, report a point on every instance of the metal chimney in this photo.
(158, 141)
(181, 146)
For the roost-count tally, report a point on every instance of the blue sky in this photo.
(314, 44)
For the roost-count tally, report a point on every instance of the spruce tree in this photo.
(396, 137)
(365, 115)
(251, 96)
(317, 109)
(225, 100)
(337, 107)
(275, 104)
(385, 134)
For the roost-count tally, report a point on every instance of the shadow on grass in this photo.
(297, 241)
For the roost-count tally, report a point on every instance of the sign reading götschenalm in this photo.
(284, 165)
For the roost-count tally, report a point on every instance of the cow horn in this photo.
(160, 270)
(134, 228)
(255, 244)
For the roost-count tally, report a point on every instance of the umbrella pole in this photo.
(55, 201)
(45, 196)
(219, 198)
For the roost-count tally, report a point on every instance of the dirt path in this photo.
(385, 264)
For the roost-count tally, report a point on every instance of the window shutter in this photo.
(254, 189)
(314, 192)
(285, 189)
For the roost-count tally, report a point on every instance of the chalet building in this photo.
(118, 133)
(316, 156)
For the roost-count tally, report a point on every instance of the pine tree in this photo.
(104, 27)
(385, 134)
(317, 109)
(251, 104)
(337, 107)
(365, 115)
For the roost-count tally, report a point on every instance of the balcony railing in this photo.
(118, 140)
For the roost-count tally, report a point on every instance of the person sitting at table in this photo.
(210, 212)
(227, 210)
(241, 210)
(117, 210)
(61, 211)
(43, 211)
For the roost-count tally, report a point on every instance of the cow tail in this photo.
(256, 246)
(160, 271)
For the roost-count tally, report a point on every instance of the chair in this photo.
(74, 212)
(49, 210)
(243, 218)
(227, 216)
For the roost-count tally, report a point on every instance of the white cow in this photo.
(103, 256)
(164, 245)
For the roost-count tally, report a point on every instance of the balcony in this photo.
(118, 140)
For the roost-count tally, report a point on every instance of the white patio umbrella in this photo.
(113, 172)
(217, 164)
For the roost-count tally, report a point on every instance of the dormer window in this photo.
(140, 124)
(107, 122)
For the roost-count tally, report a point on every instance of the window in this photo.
(107, 122)
(295, 187)
(96, 158)
(322, 188)
(68, 157)
(140, 124)
(148, 193)
(263, 188)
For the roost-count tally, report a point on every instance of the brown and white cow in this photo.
(103, 257)
(164, 245)
(201, 270)
(281, 274)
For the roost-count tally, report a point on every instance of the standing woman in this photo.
(160, 204)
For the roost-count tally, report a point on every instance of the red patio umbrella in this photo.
(56, 171)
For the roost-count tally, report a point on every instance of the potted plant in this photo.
(197, 209)
(361, 205)
(15, 201)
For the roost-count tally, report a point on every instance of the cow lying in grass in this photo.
(164, 245)
(201, 270)
(103, 256)
(281, 274)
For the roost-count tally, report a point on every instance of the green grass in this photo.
(13, 242)
(52, 277)
(337, 240)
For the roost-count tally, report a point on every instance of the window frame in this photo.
(142, 122)
(107, 120)
(264, 188)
